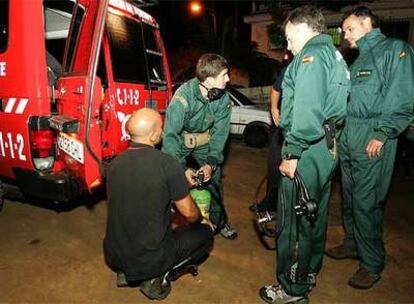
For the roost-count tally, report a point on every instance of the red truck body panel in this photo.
(69, 130)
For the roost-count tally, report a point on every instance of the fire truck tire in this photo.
(256, 134)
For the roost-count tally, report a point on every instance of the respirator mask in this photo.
(213, 93)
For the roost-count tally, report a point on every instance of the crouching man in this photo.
(142, 183)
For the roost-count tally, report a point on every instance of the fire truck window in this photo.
(156, 69)
(56, 47)
(154, 55)
(54, 69)
(101, 72)
(127, 53)
(74, 37)
(150, 40)
(4, 25)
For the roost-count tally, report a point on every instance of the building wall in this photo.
(386, 10)
(260, 36)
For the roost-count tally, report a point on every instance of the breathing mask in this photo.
(213, 93)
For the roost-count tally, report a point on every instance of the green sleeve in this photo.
(172, 142)
(397, 111)
(219, 132)
(307, 114)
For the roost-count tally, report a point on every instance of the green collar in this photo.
(367, 42)
(195, 89)
(321, 38)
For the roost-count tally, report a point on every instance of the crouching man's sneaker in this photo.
(363, 279)
(228, 232)
(275, 294)
(156, 289)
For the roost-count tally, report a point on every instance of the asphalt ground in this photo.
(56, 257)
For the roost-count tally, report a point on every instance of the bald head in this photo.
(145, 126)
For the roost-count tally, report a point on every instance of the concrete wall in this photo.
(386, 10)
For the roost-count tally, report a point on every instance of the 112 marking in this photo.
(13, 147)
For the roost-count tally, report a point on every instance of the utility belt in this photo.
(194, 140)
(332, 130)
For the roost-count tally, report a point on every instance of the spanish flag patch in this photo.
(402, 54)
(307, 59)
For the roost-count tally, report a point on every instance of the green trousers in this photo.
(365, 183)
(301, 243)
(218, 215)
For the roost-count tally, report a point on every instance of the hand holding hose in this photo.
(288, 167)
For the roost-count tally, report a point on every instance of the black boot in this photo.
(363, 279)
(341, 252)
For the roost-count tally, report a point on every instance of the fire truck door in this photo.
(80, 95)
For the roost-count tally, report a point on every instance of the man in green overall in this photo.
(379, 109)
(198, 123)
(315, 90)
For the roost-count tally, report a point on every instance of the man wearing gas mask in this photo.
(198, 123)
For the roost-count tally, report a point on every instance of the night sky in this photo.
(179, 26)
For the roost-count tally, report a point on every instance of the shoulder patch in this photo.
(402, 54)
(307, 59)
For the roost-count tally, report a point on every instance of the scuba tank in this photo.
(200, 195)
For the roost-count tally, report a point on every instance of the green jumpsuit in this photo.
(190, 111)
(315, 89)
(380, 107)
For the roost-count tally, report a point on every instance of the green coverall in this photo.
(315, 89)
(380, 107)
(190, 111)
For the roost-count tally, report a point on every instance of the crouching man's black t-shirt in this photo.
(141, 183)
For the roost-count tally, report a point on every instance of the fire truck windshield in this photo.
(4, 25)
(136, 53)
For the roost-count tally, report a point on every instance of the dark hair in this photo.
(308, 14)
(210, 65)
(362, 12)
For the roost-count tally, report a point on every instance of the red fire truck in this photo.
(71, 74)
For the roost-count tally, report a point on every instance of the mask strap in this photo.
(204, 86)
